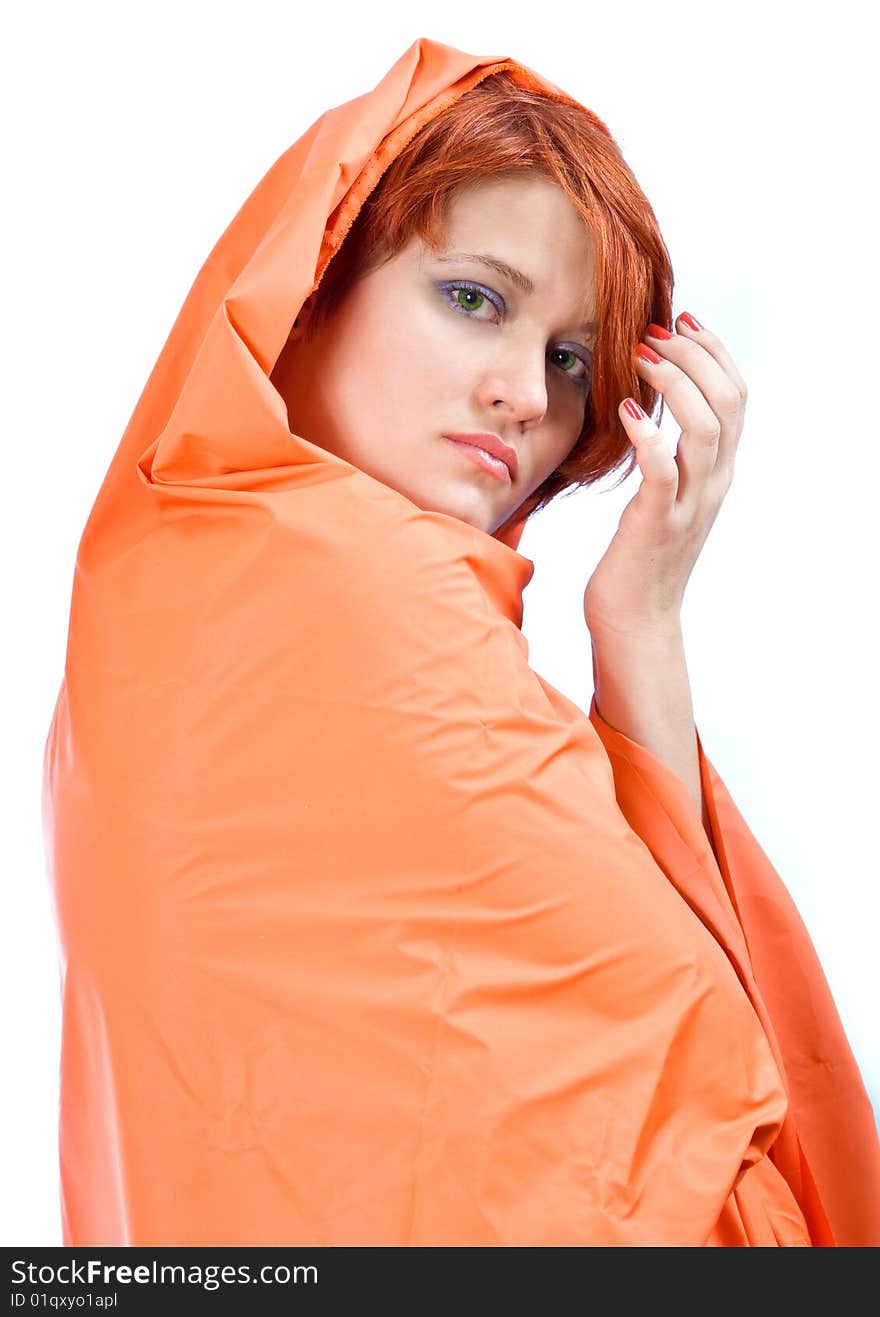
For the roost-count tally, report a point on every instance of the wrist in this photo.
(658, 634)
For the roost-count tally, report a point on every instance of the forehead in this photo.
(526, 208)
(526, 231)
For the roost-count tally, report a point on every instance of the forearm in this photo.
(642, 689)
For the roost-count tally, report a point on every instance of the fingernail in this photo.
(632, 407)
(690, 321)
(648, 354)
(657, 331)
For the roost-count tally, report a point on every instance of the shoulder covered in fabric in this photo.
(356, 827)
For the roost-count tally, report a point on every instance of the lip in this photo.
(493, 445)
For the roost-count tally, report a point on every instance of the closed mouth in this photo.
(495, 452)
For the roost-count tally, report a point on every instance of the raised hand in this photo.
(637, 588)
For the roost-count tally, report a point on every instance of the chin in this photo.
(464, 501)
(476, 511)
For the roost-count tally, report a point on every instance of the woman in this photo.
(369, 935)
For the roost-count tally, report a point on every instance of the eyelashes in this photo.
(478, 291)
(475, 290)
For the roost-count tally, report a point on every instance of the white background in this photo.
(134, 134)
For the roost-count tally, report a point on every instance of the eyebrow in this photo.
(516, 277)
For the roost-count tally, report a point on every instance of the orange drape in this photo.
(368, 935)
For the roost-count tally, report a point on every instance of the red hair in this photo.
(500, 128)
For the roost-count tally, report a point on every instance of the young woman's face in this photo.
(431, 345)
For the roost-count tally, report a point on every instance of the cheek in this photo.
(427, 361)
(567, 404)
(561, 431)
(401, 358)
(566, 400)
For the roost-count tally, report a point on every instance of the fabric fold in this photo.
(831, 1161)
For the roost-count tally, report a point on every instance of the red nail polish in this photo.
(648, 354)
(657, 331)
(633, 409)
(690, 321)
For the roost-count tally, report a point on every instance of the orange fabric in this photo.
(827, 1149)
(368, 935)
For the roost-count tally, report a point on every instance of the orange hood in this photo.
(368, 935)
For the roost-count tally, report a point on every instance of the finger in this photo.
(660, 473)
(701, 427)
(726, 392)
(688, 326)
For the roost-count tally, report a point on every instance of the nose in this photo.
(518, 380)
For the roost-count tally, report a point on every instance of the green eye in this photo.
(569, 368)
(469, 293)
(467, 299)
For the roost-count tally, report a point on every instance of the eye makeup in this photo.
(452, 286)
